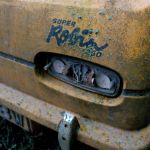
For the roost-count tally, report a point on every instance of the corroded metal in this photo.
(17, 119)
(96, 134)
(67, 131)
(124, 25)
(111, 33)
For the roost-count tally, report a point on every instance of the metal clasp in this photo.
(67, 131)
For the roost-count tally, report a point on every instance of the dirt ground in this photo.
(15, 138)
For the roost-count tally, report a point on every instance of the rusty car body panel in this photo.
(120, 35)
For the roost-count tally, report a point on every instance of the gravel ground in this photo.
(15, 138)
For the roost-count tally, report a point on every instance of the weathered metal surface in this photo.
(112, 33)
(67, 131)
(96, 134)
(123, 25)
(109, 110)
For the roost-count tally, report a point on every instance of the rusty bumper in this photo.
(93, 133)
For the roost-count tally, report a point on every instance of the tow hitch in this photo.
(67, 131)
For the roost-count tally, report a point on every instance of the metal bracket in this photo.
(67, 131)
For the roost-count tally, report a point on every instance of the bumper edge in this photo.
(92, 133)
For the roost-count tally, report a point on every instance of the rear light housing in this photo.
(79, 73)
